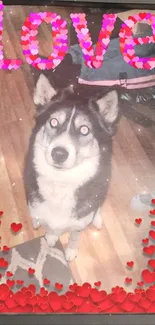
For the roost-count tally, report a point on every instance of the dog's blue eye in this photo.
(54, 123)
(84, 130)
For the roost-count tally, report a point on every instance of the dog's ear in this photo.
(108, 107)
(44, 91)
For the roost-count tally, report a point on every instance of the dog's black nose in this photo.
(59, 155)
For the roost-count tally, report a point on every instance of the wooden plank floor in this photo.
(103, 255)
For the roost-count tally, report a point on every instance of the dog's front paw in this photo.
(71, 254)
(51, 239)
(36, 223)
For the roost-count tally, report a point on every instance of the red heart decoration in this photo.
(31, 271)
(128, 280)
(150, 294)
(21, 298)
(130, 264)
(76, 299)
(145, 240)
(151, 263)
(46, 281)
(119, 296)
(152, 234)
(3, 263)
(152, 212)
(127, 305)
(16, 227)
(10, 302)
(97, 284)
(10, 283)
(20, 282)
(135, 297)
(144, 303)
(153, 223)
(68, 304)
(5, 248)
(43, 292)
(54, 301)
(73, 286)
(106, 303)
(140, 284)
(32, 301)
(4, 291)
(97, 295)
(1, 213)
(150, 250)
(9, 274)
(153, 201)
(138, 221)
(148, 276)
(84, 290)
(58, 286)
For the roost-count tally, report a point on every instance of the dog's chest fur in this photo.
(59, 198)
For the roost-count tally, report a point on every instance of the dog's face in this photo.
(70, 131)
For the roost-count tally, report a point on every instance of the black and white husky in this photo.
(68, 164)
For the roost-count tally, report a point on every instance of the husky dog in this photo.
(68, 164)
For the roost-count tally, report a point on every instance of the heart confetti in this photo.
(97, 284)
(138, 221)
(58, 286)
(128, 280)
(46, 281)
(31, 271)
(5, 248)
(16, 227)
(145, 240)
(3, 263)
(130, 264)
(9, 274)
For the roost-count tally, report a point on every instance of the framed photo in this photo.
(77, 162)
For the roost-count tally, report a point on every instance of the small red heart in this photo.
(130, 264)
(153, 201)
(149, 250)
(97, 284)
(20, 282)
(16, 227)
(148, 276)
(151, 263)
(1, 213)
(3, 263)
(128, 280)
(5, 248)
(72, 286)
(31, 271)
(152, 212)
(152, 234)
(46, 281)
(145, 240)
(58, 286)
(4, 291)
(153, 223)
(9, 274)
(10, 283)
(138, 221)
(140, 284)
(43, 292)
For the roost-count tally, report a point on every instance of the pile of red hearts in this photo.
(79, 299)
(85, 298)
